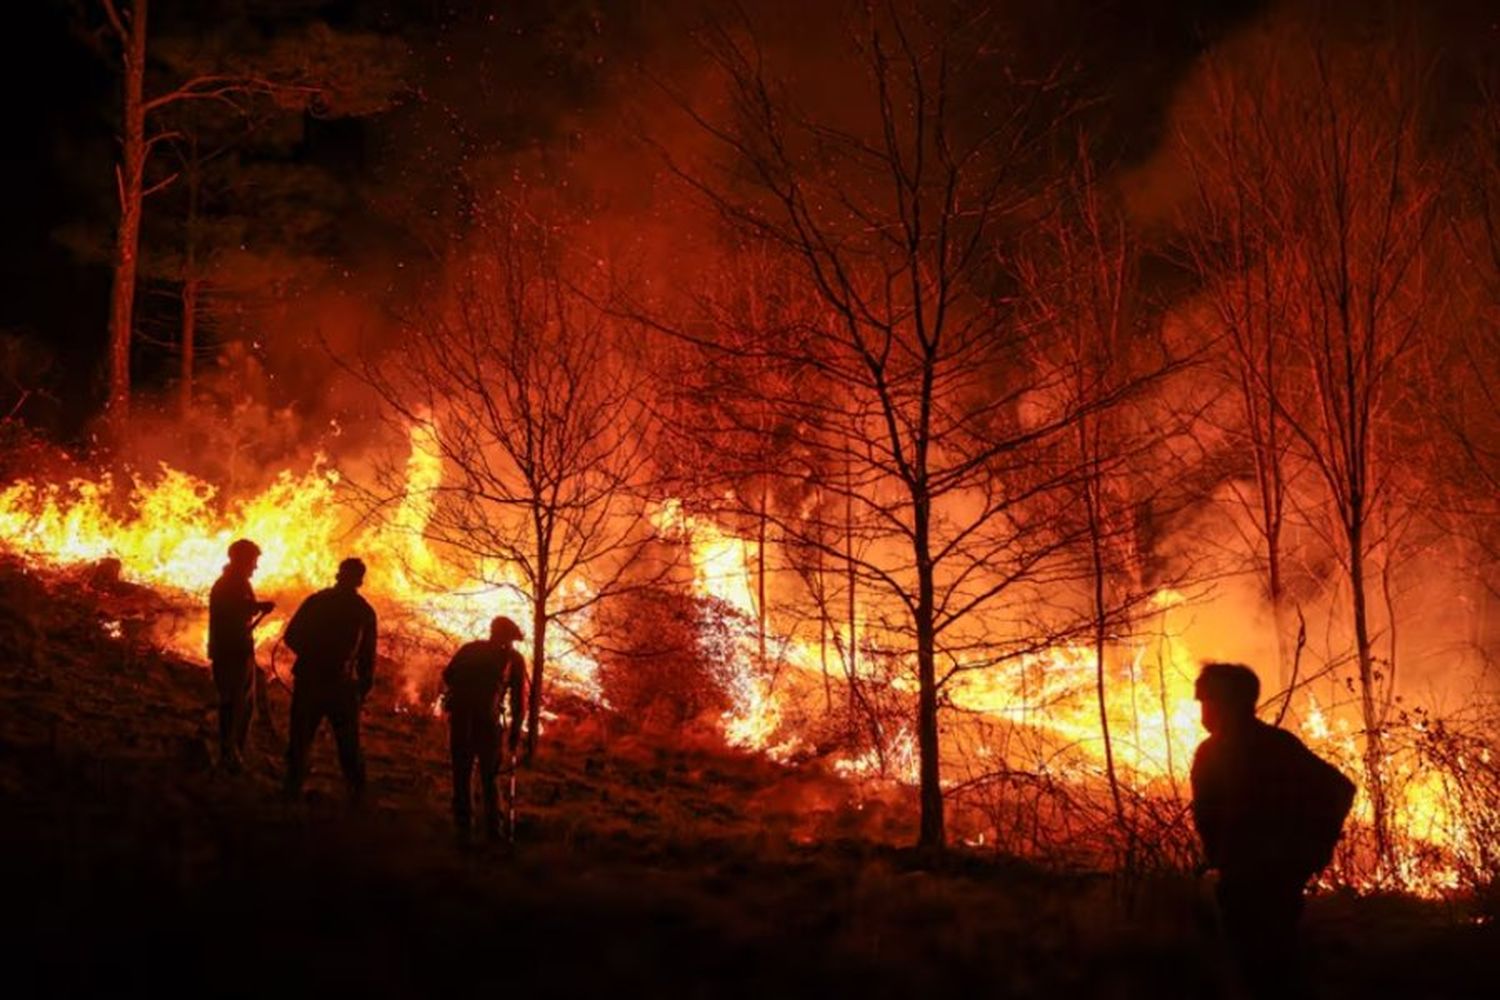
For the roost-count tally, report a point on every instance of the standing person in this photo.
(475, 684)
(1269, 812)
(333, 637)
(232, 614)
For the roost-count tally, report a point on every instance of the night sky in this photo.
(505, 78)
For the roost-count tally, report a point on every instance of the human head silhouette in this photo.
(351, 573)
(502, 629)
(244, 556)
(1228, 693)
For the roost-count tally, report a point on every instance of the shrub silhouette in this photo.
(667, 657)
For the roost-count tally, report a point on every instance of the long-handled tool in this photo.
(510, 799)
(509, 747)
(260, 693)
(510, 774)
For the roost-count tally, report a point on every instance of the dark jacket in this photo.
(333, 635)
(231, 609)
(480, 676)
(1265, 805)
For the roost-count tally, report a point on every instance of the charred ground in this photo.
(640, 866)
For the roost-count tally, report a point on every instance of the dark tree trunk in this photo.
(1101, 640)
(534, 689)
(130, 178)
(932, 836)
(191, 285)
(1369, 710)
(187, 359)
(762, 530)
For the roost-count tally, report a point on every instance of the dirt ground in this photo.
(132, 866)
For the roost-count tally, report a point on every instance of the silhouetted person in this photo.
(1269, 812)
(333, 636)
(476, 683)
(232, 614)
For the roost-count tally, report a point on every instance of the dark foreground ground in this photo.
(130, 867)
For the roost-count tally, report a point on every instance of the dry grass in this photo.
(642, 867)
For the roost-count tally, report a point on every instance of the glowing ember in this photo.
(721, 569)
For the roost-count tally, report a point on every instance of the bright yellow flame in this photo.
(172, 531)
(1154, 718)
(721, 569)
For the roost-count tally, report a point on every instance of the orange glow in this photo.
(1154, 721)
(171, 533)
(721, 569)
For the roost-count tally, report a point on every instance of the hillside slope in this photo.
(131, 865)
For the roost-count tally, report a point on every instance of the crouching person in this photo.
(1269, 812)
(475, 684)
(333, 637)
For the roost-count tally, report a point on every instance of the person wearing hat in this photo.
(333, 635)
(232, 614)
(480, 677)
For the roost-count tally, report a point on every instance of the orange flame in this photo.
(171, 533)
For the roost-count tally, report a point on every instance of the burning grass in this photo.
(642, 866)
(1023, 747)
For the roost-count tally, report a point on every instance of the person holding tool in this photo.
(476, 683)
(233, 613)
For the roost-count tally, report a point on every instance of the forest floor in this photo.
(130, 864)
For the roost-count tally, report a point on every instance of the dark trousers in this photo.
(233, 678)
(311, 704)
(1261, 912)
(474, 738)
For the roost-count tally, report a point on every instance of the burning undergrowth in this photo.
(671, 865)
(697, 663)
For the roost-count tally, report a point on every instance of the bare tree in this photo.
(1079, 278)
(1232, 243)
(330, 73)
(1361, 227)
(920, 382)
(732, 438)
(727, 432)
(540, 421)
(1337, 195)
(1471, 406)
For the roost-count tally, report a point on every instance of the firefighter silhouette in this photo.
(481, 678)
(1269, 812)
(233, 613)
(333, 636)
